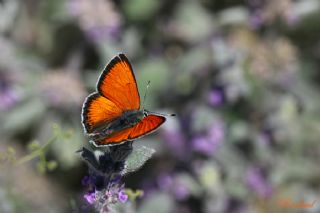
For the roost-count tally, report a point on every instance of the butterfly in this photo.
(112, 114)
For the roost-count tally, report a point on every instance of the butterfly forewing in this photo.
(98, 110)
(118, 84)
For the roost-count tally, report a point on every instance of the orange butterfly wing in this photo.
(118, 84)
(98, 110)
(117, 92)
(146, 126)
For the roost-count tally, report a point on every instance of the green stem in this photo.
(36, 153)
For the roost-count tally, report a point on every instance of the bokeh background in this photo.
(242, 77)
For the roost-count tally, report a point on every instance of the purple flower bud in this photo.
(86, 180)
(122, 196)
(90, 197)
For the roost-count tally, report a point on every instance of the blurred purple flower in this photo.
(263, 139)
(172, 184)
(292, 19)
(207, 144)
(256, 10)
(165, 181)
(8, 98)
(256, 20)
(175, 141)
(264, 12)
(98, 18)
(216, 97)
(99, 32)
(180, 191)
(216, 132)
(56, 95)
(258, 183)
(203, 145)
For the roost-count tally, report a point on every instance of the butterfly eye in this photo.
(145, 114)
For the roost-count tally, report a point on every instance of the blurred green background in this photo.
(242, 77)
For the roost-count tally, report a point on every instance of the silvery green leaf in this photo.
(24, 115)
(137, 159)
(156, 71)
(8, 11)
(141, 9)
(234, 15)
(193, 21)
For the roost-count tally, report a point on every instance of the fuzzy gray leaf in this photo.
(137, 159)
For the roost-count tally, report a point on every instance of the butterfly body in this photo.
(127, 120)
(113, 114)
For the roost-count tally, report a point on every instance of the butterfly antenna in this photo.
(145, 95)
(162, 114)
(155, 113)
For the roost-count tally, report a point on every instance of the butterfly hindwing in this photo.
(147, 125)
(118, 84)
(115, 138)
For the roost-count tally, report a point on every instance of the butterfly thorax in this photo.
(126, 120)
(130, 118)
